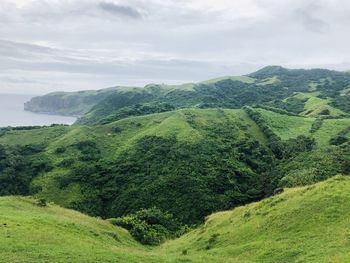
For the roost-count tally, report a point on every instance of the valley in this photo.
(235, 169)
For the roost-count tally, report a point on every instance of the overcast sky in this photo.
(48, 45)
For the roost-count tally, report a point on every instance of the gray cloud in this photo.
(81, 44)
(310, 21)
(120, 10)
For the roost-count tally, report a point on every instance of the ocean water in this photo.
(12, 113)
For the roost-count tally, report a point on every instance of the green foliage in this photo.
(19, 165)
(338, 140)
(341, 137)
(316, 125)
(162, 172)
(292, 105)
(342, 102)
(88, 149)
(137, 110)
(150, 226)
(311, 167)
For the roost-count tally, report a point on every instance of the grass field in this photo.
(288, 127)
(308, 224)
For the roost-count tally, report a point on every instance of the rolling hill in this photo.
(308, 224)
(159, 160)
(316, 92)
(118, 168)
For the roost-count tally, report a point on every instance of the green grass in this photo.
(244, 79)
(52, 234)
(330, 128)
(36, 136)
(268, 81)
(308, 224)
(166, 124)
(188, 126)
(288, 127)
(315, 105)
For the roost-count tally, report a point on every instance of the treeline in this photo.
(277, 110)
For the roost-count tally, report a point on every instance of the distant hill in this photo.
(308, 224)
(307, 92)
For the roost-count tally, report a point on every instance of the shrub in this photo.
(41, 202)
(316, 125)
(338, 140)
(149, 226)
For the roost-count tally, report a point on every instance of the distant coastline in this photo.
(13, 113)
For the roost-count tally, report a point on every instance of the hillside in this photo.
(308, 224)
(68, 103)
(95, 169)
(159, 160)
(231, 157)
(316, 92)
(30, 233)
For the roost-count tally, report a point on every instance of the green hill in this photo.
(159, 160)
(69, 103)
(308, 224)
(29, 233)
(316, 92)
(115, 169)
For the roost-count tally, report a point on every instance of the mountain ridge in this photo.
(270, 86)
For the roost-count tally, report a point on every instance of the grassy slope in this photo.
(309, 224)
(176, 123)
(244, 79)
(133, 128)
(29, 233)
(315, 105)
(288, 127)
(113, 145)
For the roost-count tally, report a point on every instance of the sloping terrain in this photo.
(140, 162)
(30, 233)
(189, 162)
(308, 224)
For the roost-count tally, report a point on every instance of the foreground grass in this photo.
(29, 233)
(308, 224)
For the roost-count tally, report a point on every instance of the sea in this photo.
(12, 113)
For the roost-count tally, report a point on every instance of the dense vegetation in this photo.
(232, 157)
(18, 166)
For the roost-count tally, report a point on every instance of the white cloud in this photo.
(114, 42)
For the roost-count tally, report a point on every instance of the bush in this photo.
(316, 125)
(149, 226)
(338, 140)
(41, 202)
